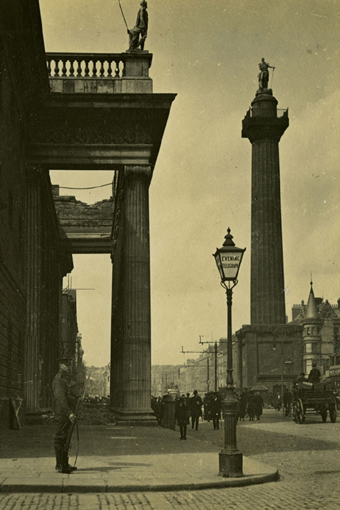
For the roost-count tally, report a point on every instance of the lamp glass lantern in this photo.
(228, 260)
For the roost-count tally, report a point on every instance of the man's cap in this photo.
(314, 364)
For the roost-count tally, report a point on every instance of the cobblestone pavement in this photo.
(308, 457)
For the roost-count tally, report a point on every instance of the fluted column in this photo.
(264, 129)
(267, 274)
(135, 299)
(33, 290)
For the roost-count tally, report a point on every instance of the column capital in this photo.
(138, 170)
(34, 172)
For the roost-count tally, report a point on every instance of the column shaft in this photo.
(267, 275)
(137, 315)
(33, 289)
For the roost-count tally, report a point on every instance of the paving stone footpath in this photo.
(308, 458)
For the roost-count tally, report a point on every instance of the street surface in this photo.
(307, 456)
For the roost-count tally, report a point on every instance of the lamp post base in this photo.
(230, 464)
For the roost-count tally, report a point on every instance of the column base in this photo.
(36, 416)
(137, 419)
(230, 464)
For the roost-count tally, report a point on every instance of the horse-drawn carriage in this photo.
(314, 398)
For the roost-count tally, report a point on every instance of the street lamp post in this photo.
(228, 260)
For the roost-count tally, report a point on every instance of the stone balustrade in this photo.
(85, 65)
(100, 72)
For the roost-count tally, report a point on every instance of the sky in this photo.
(208, 53)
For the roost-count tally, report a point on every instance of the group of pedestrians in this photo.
(251, 404)
(190, 406)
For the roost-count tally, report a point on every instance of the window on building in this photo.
(325, 364)
(308, 348)
(315, 348)
(308, 366)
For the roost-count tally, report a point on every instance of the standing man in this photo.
(243, 403)
(64, 417)
(314, 374)
(141, 28)
(216, 408)
(195, 409)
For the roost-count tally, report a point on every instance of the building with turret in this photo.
(321, 325)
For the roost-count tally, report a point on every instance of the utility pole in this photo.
(215, 356)
(199, 352)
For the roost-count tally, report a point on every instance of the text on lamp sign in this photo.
(230, 265)
(230, 261)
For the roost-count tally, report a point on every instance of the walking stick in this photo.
(73, 426)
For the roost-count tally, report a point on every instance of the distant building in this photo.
(321, 327)
(97, 381)
(163, 378)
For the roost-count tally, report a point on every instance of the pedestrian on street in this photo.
(181, 416)
(258, 405)
(251, 406)
(243, 403)
(187, 403)
(314, 374)
(216, 408)
(64, 417)
(287, 401)
(207, 401)
(195, 409)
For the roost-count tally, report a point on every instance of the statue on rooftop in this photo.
(139, 32)
(263, 75)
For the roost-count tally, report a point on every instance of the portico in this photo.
(92, 120)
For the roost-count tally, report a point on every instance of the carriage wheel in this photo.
(323, 412)
(299, 412)
(332, 413)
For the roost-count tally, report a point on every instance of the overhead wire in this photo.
(91, 187)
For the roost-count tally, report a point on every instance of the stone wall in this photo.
(12, 255)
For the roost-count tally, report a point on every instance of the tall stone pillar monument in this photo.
(264, 127)
(268, 342)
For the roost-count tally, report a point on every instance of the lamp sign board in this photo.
(230, 263)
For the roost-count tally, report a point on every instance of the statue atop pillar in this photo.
(263, 75)
(139, 32)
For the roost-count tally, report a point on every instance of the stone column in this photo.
(33, 290)
(264, 129)
(135, 385)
